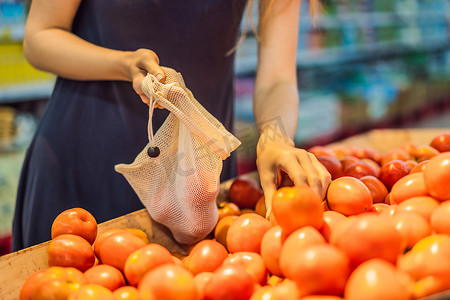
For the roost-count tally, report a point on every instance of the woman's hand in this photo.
(274, 156)
(141, 63)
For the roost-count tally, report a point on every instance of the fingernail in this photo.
(159, 77)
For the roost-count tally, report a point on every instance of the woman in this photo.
(95, 120)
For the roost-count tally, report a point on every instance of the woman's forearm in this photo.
(61, 52)
(276, 110)
(276, 96)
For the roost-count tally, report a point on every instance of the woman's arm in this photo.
(49, 45)
(276, 105)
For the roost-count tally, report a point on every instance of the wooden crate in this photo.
(387, 139)
(17, 266)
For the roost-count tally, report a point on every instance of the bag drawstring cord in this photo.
(152, 151)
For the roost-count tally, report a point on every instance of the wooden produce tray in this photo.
(387, 139)
(17, 266)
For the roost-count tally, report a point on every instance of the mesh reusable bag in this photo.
(180, 186)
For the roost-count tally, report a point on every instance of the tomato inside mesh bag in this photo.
(179, 187)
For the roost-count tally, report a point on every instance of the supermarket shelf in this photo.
(368, 51)
(12, 33)
(26, 91)
(379, 19)
(246, 60)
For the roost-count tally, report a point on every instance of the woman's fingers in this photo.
(145, 62)
(289, 164)
(303, 168)
(148, 62)
(268, 178)
(324, 175)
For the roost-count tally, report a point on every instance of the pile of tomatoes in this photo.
(383, 232)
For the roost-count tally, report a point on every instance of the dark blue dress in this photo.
(90, 126)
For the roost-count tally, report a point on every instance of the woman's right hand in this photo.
(143, 62)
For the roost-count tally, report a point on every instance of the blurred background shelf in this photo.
(26, 91)
(364, 64)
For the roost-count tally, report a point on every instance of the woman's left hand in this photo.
(275, 156)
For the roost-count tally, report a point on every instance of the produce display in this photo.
(383, 232)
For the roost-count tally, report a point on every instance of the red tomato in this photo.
(226, 208)
(271, 248)
(429, 257)
(72, 276)
(349, 196)
(441, 142)
(368, 236)
(373, 163)
(378, 207)
(229, 282)
(55, 288)
(424, 152)
(221, 230)
(285, 290)
(412, 185)
(376, 188)
(366, 153)
(201, 279)
(77, 221)
(349, 160)
(440, 218)
(422, 205)
(389, 211)
(26, 292)
(321, 151)
(244, 192)
(342, 150)
(377, 279)
(420, 167)
(169, 282)
(331, 220)
(92, 292)
(139, 233)
(411, 226)
(102, 236)
(322, 297)
(360, 169)
(409, 146)
(115, 248)
(246, 233)
(437, 176)
(430, 285)
(69, 250)
(252, 262)
(298, 206)
(260, 207)
(143, 260)
(392, 171)
(205, 256)
(411, 164)
(126, 293)
(297, 240)
(395, 154)
(332, 164)
(57, 283)
(319, 269)
(105, 275)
